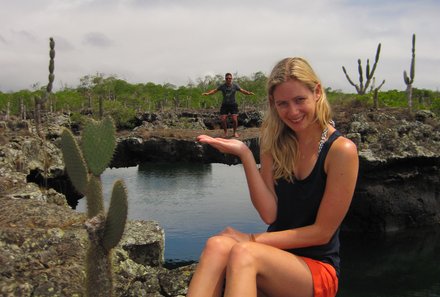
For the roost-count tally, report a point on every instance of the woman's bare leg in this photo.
(208, 279)
(254, 266)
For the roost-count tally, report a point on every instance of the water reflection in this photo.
(403, 264)
(170, 185)
(191, 201)
(176, 171)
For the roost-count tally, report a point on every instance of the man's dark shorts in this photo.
(226, 109)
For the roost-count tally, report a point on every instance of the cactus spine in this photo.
(361, 88)
(84, 165)
(410, 79)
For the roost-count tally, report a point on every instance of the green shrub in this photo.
(124, 117)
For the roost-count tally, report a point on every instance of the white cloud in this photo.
(177, 41)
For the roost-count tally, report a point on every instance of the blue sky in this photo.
(178, 41)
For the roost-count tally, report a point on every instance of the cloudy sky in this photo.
(175, 41)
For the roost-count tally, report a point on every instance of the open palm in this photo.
(228, 146)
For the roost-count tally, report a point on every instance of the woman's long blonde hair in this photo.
(277, 139)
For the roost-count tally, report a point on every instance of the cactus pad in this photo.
(116, 216)
(98, 144)
(75, 164)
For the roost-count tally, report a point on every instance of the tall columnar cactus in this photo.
(85, 164)
(51, 65)
(369, 74)
(40, 101)
(410, 79)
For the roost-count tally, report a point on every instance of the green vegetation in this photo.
(123, 100)
(99, 95)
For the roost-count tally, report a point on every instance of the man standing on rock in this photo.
(229, 104)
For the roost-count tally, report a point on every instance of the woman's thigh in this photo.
(280, 273)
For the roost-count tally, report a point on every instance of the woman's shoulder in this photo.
(342, 156)
(343, 145)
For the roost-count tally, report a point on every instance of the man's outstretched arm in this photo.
(213, 91)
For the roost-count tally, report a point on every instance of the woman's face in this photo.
(295, 104)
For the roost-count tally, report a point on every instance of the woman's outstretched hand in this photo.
(227, 146)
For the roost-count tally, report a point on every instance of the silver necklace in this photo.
(323, 139)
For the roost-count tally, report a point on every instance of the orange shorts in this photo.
(325, 281)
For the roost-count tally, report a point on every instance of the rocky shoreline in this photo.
(42, 240)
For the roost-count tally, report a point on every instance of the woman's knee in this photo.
(241, 255)
(219, 245)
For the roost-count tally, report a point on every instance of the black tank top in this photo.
(298, 204)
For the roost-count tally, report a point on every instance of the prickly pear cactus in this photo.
(98, 151)
(84, 165)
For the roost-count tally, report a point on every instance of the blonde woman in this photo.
(302, 190)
